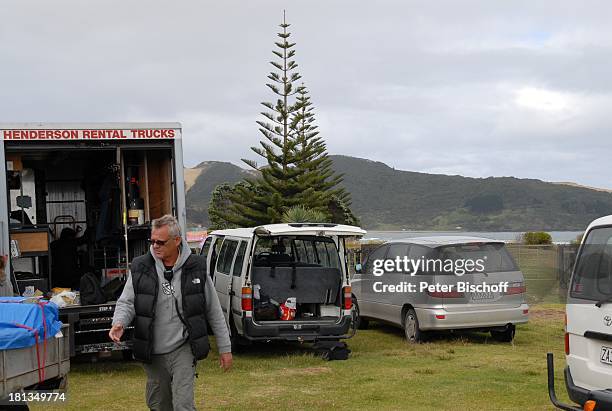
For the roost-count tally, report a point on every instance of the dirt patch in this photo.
(266, 391)
(288, 372)
(304, 371)
(546, 314)
(191, 175)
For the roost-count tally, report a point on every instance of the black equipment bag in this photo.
(332, 350)
(266, 311)
(91, 292)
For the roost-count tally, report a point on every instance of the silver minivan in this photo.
(427, 283)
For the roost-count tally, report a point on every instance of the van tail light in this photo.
(567, 347)
(348, 298)
(445, 294)
(516, 288)
(247, 299)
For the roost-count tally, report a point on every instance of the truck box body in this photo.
(80, 199)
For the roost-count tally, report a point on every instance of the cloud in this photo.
(476, 87)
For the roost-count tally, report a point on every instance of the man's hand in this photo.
(225, 361)
(116, 332)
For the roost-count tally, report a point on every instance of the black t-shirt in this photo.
(168, 273)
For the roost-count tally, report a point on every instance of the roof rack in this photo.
(312, 225)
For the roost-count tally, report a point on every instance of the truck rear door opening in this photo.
(80, 201)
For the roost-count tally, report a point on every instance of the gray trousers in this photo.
(170, 380)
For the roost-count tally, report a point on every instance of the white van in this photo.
(588, 330)
(256, 270)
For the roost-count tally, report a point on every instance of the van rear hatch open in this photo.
(305, 268)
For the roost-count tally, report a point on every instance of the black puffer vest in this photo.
(146, 287)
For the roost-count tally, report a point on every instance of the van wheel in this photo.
(411, 328)
(504, 336)
(360, 322)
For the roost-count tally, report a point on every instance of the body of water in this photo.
(557, 236)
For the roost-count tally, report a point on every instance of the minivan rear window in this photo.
(592, 279)
(494, 256)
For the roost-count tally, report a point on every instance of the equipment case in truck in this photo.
(80, 199)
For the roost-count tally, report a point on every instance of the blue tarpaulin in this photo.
(19, 321)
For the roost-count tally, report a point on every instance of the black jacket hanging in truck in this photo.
(65, 269)
(109, 224)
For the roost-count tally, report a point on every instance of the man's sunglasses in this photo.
(158, 242)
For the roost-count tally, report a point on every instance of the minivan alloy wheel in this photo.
(411, 327)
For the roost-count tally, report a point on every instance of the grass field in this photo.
(451, 372)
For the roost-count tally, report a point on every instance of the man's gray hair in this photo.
(174, 230)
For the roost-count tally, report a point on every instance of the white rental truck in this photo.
(79, 199)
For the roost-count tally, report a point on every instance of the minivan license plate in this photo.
(479, 296)
(606, 355)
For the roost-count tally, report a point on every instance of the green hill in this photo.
(385, 198)
(207, 176)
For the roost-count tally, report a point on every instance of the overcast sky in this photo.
(478, 88)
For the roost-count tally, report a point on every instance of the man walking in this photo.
(172, 302)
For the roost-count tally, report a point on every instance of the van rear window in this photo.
(206, 247)
(592, 279)
(495, 256)
(297, 250)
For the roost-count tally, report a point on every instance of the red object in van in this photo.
(288, 309)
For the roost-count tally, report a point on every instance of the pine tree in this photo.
(341, 212)
(264, 199)
(297, 169)
(248, 205)
(318, 180)
(220, 203)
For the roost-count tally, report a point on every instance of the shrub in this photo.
(536, 238)
(301, 214)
